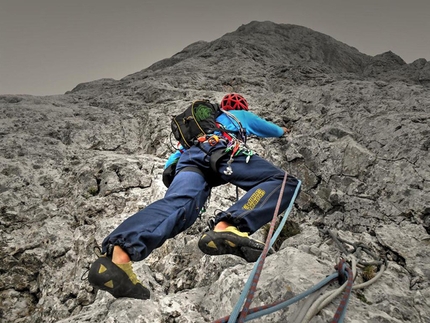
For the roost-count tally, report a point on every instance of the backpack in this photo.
(198, 120)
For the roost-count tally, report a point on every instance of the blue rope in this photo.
(243, 295)
(297, 298)
(260, 311)
(262, 258)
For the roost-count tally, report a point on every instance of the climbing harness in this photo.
(346, 273)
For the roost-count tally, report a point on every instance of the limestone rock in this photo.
(73, 166)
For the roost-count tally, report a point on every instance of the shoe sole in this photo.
(222, 243)
(107, 276)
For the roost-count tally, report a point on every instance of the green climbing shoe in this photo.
(118, 280)
(231, 241)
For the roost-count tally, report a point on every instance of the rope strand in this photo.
(263, 255)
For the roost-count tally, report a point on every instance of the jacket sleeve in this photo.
(261, 127)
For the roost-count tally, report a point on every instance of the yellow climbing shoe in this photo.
(119, 280)
(231, 241)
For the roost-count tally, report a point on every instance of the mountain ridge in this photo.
(294, 45)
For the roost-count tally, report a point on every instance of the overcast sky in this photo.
(49, 46)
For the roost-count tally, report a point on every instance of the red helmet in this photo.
(234, 101)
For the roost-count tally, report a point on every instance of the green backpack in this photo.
(198, 120)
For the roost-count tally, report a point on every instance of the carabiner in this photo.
(213, 140)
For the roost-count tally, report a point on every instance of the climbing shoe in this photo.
(231, 241)
(119, 280)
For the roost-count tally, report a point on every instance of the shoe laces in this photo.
(211, 223)
(98, 252)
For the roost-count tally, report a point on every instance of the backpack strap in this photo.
(241, 132)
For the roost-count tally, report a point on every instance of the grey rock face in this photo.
(72, 167)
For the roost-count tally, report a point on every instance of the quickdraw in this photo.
(236, 147)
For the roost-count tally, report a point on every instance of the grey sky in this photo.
(50, 46)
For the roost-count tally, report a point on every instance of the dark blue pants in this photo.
(179, 209)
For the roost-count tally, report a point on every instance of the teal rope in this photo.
(236, 310)
(263, 256)
(276, 307)
(260, 311)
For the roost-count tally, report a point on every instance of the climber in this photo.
(136, 237)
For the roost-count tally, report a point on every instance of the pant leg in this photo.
(262, 181)
(149, 228)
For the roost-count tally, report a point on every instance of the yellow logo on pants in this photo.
(254, 199)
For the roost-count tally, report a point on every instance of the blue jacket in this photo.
(253, 124)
